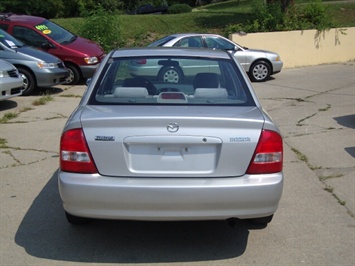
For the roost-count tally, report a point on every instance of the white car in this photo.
(11, 82)
(259, 64)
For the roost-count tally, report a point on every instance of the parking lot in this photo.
(315, 110)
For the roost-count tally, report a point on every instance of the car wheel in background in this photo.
(259, 71)
(29, 81)
(170, 75)
(74, 75)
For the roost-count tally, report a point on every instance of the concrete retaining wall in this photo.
(304, 48)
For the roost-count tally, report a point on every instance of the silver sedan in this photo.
(144, 149)
(259, 64)
(11, 83)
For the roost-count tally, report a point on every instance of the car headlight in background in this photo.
(91, 60)
(4, 74)
(47, 65)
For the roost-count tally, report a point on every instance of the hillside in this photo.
(139, 30)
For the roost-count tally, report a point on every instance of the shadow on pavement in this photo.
(351, 151)
(45, 233)
(346, 121)
(47, 91)
(7, 104)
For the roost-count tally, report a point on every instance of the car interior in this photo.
(218, 85)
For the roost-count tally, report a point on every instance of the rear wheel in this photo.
(72, 219)
(259, 71)
(170, 75)
(29, 81)
(74, 75)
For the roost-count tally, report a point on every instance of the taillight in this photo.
(268, 156)
(74, 153)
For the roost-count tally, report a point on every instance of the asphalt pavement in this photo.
(314, 225)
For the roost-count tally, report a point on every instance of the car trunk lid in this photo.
(172, 141)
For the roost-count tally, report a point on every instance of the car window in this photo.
(219, 43)
(55, 32)
(194, 41)
(4, 26)
(28, 36)
(171, 81)
(161, 42)
(9, 41)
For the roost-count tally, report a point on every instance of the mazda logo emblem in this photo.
(173, 127)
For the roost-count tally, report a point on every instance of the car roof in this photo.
(193, 34)
(31, 20)
(170, 51)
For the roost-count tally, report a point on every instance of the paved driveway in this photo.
(314, 108)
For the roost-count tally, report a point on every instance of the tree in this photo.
(284, 3)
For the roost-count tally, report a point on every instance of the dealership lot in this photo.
(315, 110)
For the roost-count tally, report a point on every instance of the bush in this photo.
(264, 18)
(179, 9)
(269, 17)
(314, 16)
(103, 28)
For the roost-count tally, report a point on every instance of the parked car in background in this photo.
(169, 71)
(259, 64)
(144, 149)
(37, 68)
(11, 82)
(80, 56)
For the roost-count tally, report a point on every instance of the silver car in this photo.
(37, 68)
(145, 149)
(11, 82)
(259, 64)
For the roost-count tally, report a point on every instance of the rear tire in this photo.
(76, 220)
(29, 81)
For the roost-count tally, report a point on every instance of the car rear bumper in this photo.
(159, 199)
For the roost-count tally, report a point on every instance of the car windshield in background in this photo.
(162, 41)
(10, 41)
(171, 81)
(55, 32)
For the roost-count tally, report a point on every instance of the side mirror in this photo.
(47, 45)
(88, 81)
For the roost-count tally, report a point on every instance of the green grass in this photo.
(140, 30)
(3, 143)
(43, 100)
(343, 15)
(8, 116)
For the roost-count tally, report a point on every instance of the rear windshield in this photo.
(171, 81)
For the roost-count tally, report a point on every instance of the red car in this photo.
(81, 56)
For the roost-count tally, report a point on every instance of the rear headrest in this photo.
(211, 93)
(206, 80)
(130, 92)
